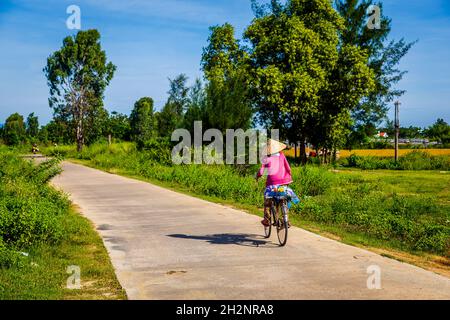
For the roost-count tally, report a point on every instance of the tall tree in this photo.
(32, 125)
(142, 121)
(58, 131)
(178, 94)
(227, 104)
(296, 63)
(97, 122)
(384, 57)
(14, 130)
(225, 65)
(439, 131)
(119, 126)
(196, 109)
(223, 54)
(410, 132)
(78, 75)
(349, 81)
(171, 116)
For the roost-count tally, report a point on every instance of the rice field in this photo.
(382, 152)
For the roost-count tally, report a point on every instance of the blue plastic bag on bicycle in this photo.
(282, 191)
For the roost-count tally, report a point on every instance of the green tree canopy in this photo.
(172, 114)
(32, 125)
(223, 53)
(77, 76)
(227, 104)
(196, 109)
(14, 130)
(57, 131)
(119, 126)
(384, 57)
(142, 121)
(349, 81)
(225, 66)
(305, 83)
(178, 94)
(97, 121)
(439, 131)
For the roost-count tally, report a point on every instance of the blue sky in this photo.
(151, 40)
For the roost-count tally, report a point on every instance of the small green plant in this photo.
(8, 256)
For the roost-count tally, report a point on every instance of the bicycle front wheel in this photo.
(283, 226)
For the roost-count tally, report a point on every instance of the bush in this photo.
(416, 160)
(158, 150)
(419, 160)
(434, 238)
(30, 211)
(311, 181)
(60, 151)
(8, 257)
(417, 222)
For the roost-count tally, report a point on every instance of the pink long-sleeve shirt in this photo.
(278, 170)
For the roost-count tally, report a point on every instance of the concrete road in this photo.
(166, 245)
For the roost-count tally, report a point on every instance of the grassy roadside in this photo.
(42, 235)
(43, 273)
(386, 247)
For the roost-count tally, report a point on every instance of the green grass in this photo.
(407, 211)
(42, 274)
(408, 182)
(41, 235)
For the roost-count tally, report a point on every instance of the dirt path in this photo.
(166, 245)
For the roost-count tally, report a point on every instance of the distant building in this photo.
(381, 135)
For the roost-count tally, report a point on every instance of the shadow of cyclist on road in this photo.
(249, 240)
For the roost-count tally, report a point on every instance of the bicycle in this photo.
(278, 203)
(35, 149)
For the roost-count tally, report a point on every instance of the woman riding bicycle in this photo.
(278, 174)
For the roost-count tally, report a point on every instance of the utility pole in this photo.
(397, 128)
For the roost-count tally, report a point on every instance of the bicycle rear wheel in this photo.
(283, 226)
(268, 229)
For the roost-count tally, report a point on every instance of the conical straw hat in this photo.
(274, 146)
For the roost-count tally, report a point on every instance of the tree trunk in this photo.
(303, 152)
(80, 141)
(80, 136)
(333, 159)
(79, 121)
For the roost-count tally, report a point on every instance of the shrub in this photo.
(158, 150)
(434, 238)
(417, 222)
(30, 211)
(60, 151)
(8, 257)
(312, 181)
(416, 160)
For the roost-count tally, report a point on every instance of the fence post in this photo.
(397, 128)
